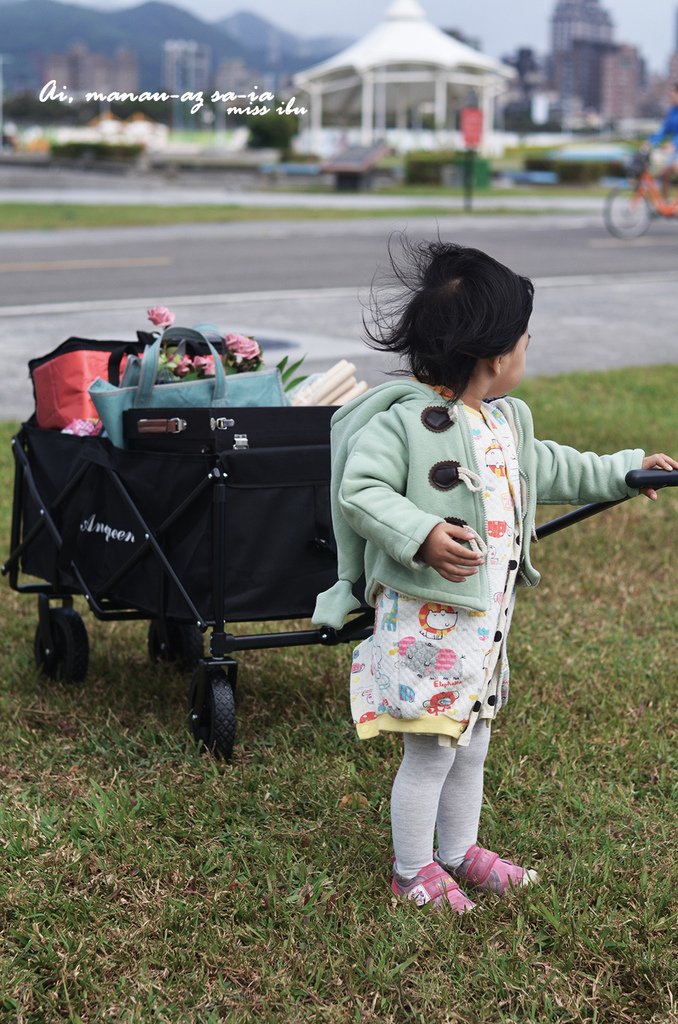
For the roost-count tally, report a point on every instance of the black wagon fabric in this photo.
(278, 531)
(128, 510)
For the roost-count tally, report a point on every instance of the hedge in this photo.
(577, 172)
(443, 167)
(96, 151)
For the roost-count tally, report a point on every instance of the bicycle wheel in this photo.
(627, 214)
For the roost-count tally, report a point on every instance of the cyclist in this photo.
(668, 133)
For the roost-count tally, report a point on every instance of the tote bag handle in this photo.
(149, 366)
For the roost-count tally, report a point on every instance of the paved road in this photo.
(305, 285)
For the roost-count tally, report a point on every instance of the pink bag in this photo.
(61, 378)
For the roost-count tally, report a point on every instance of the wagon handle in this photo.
(636, 478)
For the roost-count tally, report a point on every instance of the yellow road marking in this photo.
(104, 264)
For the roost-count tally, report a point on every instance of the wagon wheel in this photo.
(183, 643)
(68, 658)
(213, 725)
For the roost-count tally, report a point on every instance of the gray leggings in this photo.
(437, 788)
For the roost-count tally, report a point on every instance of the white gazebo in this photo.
(403, 69)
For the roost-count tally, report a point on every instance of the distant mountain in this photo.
(257, 33)
(30, 30)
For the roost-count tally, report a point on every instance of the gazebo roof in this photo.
(404, 37)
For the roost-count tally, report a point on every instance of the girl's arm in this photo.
(566, 476)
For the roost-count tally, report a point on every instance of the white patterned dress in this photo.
(437, 669)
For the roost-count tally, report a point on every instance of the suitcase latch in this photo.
(220, 423)
(170, 426)
(241, 442)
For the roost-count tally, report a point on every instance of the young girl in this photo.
(435, 484)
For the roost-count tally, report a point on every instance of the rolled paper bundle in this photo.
(340, 390)
(339, 374)
(317, 391)
(358, 389)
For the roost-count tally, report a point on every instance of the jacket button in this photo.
(492, 700)
(513, 564)
(444, 475)
(436, 418)
(497, 636)
(477, 706)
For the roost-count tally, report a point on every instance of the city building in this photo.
(581, 38)
(186, 66)
(623, 79)
(579, 20)
(80, 71)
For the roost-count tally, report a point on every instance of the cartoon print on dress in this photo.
(493, 555)
(425, 658)
(406, 693)
(357, 667)
(389, 620)
(483, 635)
(383, 678)
(440, 703)
(367, 695)
(494, 459)
(496, 528)
(437, 619)
(369, 716)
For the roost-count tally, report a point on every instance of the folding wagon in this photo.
(209, 518)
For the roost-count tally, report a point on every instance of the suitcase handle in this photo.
(174, 425)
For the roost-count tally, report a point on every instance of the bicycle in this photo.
(629, 210)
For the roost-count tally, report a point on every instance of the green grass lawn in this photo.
(140, 882)
(37, 216)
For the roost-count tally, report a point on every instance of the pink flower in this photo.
(184, 366)
(160, 316)
(242, 346)
(204, 363)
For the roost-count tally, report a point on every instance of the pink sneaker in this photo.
(432, 885)
(485, 870)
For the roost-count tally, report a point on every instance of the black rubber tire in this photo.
(626, 215)
(214, 725)
(185, 644)
(68, 660)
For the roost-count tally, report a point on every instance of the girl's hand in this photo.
(659, 461)
(452, 559)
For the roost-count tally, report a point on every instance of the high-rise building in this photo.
(80, 71)
(579, 20)
(623, 78)
(186, 66)
(581, 37)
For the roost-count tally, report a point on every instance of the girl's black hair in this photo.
(460, 305)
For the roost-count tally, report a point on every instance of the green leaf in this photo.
(292, 369)
(293, 384)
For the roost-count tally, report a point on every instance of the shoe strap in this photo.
(481, 862)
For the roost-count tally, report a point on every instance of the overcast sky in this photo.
(501, 25)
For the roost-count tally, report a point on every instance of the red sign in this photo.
(472, 126)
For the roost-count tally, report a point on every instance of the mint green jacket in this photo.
(385, 502)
